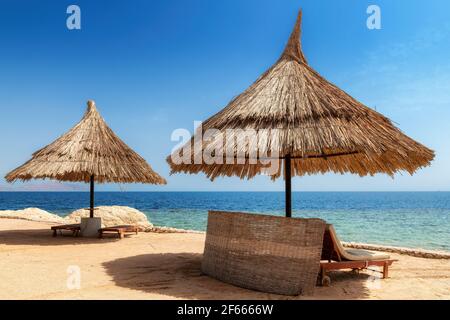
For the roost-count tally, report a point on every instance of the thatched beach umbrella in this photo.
(89, 152)
(316, 128)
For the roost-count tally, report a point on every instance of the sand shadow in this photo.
(178, 275)
(346, 285)
(43, 237)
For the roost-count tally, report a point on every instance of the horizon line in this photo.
(221, 191)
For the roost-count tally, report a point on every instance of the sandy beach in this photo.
(167, 266)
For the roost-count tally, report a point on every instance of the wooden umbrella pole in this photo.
(288, 185)
(92, 197)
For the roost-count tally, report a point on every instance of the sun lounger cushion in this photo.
(359, 254)
(353, 254)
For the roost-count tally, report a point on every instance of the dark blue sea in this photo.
(411, 219)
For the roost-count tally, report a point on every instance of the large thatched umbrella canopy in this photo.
(88, 152)
(316, 128)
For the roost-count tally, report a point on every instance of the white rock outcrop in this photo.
(421, 253)
(32, 214)
(113, 216)
(157, 229)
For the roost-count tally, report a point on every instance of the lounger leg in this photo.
(121, 235)
(54, 233)
(385, 270)
(325, 280)
(100, 234)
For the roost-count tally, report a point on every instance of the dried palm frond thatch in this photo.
(89, 148)
(317, 127)
(89, 152)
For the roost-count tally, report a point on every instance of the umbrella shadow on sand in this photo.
(178, 275)
(43, 237)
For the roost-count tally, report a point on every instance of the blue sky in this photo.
(155, 66)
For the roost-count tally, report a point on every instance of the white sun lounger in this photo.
(339, 257)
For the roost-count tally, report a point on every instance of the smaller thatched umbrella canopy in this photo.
(88, 152)
(314, 127)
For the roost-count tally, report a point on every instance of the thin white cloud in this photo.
(390, 76)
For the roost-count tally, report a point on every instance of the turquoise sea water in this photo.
(411, 219)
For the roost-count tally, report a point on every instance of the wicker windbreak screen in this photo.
(264, 253)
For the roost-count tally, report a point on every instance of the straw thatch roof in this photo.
(89, 148)
(319, 125)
